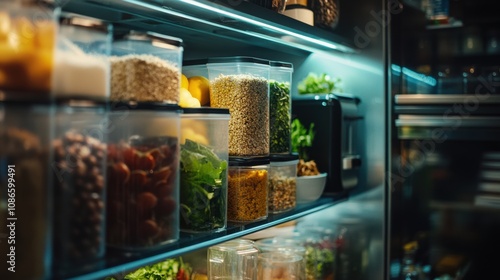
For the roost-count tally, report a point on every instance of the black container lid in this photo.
(281, 64)
(283, 157)
(206, 110)
(146, 106)
(192, 62)
(248, 161)
(231, 59)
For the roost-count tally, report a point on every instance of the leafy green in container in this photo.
(279, 117)
(302, 138)
(314, 84)
(169, 269)
(203, 187)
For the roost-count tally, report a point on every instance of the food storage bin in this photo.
(81, 68)
(25, 201)
(146, 67)
(280, 107)
(247, 197)
(235, 259)
(143, 175)
(282, 182)
(277, 244)
(195, 67)
(241, 84)
(279, 265)
(195, 80)
(203, 169)
(78, 169)
(26, 62)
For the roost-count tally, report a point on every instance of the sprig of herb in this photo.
(302, 138)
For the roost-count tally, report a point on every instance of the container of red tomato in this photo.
(143, 175)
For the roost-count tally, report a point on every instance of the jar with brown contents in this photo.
(247, 189)
(282, 182)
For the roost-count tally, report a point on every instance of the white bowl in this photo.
(310, 188)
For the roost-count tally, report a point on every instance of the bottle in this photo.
(410, 269)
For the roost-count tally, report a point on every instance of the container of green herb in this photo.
(280, 107)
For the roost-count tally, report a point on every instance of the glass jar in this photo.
(280, 107)
(143, 175)
(279, 265)
(326, 13)
(146, 67)
(247, 197)
(279, 244)
(233, 260)
(282, 182)
(203, 169)
(27, 36)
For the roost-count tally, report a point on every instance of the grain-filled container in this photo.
(235, 259)
(241, 84)
(279, 265)
(282, 182)
(280, 107)
(143, 175)
(81, 68)
(26, 62)
(25, 188)
(203, 169)
(247, 197)
(79, 182)
(146, 67)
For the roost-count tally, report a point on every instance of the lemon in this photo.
(199, 87)
(184, 98)
(184, 82)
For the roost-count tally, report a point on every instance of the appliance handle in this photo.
(351, 162)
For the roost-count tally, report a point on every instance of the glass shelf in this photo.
(234, 20)
(116, 262)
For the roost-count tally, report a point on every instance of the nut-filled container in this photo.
(234, 259)
(81, 68)
(241, 84)
(203, 169)
(247, 198)
(143, 175)
(26, 62)
(25, 187)
(79, 181)
(280, 107)
(146, 67)
(282, 182)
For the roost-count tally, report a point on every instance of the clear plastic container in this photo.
(79, 172)
(143, 175)
(280, 107)
(234, 260)
(277, 244)
(26, 62)
(197, 67)
(247, 198)
(25, 200)
(146, 67)
(203, 169)
(81, 66)
(279, 265)
(282, 182)
(241, 84)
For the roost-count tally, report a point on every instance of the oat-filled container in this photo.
(280, 107)
(203, 169)
(79, 182)
(282, 182)
(241, 84)
(247, 189)
(143, 176)
(146, 67)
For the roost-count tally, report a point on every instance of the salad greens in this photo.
(302, 138)
(203, 194)
(314, 84)
(169, 269)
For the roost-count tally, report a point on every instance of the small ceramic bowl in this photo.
(310, 188)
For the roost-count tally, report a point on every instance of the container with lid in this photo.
(146, 66)
(279, 265)
(247, 198)
(143, 175)
(79, 176)
(81, 66)
(25, 188)
(26, 62)
(235, 260)
(282, 182)
(300, 10)
(203, 169)
(280, 107)
(241, 84)
(283, 245)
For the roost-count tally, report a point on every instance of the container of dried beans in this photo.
(143, 176)
(282, 182)
(247, 198)
(241, 85)
(146, 67)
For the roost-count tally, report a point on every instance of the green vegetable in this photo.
(302, 138)
(314, 84)
(170, 269)
(203, 195)
(279, 117)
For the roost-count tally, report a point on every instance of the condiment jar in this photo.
(299, 10)
(280, 107)
(279, 265)
(247, 198)
(26, 62)
(235, 260)
(146, 67)
(143, 176)
(282, 182)
(82, 67)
